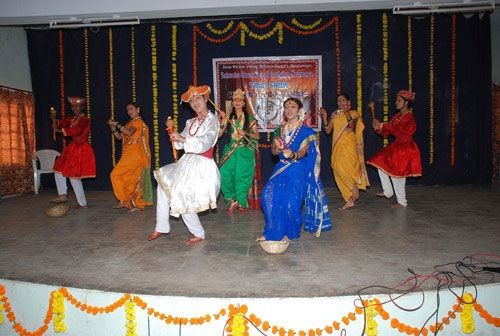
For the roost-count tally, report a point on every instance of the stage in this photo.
(373, 244)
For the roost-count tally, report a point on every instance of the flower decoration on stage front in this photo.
(1, 308)
(466, 315)
(58, 311)
(131, 324)
(371, 324)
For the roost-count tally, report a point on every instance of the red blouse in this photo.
(400, 158)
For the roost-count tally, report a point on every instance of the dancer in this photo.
(401, 158)
(237, 165)
(294, 194)
(192, 184)
(348, 159)
(77, 160)
(131, 177)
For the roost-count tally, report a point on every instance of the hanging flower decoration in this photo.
(87, 76)
(337, 55)
(131, 324)
(306, 27)
(61, 78)
(410, 55)
(244, 30)
(385, 70)
(2, 309)
(132, 63)
(58, 311)
(175, 98)
(310, 32)
(154, 75)
(431, 91)
(264, 25)
(359, 65)
(195, 56)
(371, 324)
(466, 315)
(453, 86)
(111, 93)
(220, 31)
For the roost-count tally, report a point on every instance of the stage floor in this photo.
(372, 244)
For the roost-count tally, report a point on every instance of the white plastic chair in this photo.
(46, 157)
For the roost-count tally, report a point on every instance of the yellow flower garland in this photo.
(431, 92)
(466, 315)
(410, 56)
(111, 93)
(306, 27)
(220, 31)
(87, 77)
(61, 79)
(58, 311)
(244, 30)
(1, 309)
(385, 70)
(175, 98)
(154, 75)
(132, 63)
(371, 324)
(359, 68)
(131, 324)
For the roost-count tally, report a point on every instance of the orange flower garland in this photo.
(132, 63)
(61, 79)
(111, 94)
(87, 77)
(310, 32)
(359, 68)
(410, 56)
(262, 26)
(385, 70)
(431, 91)
(337, 55)
(154, 77)
(453, 88)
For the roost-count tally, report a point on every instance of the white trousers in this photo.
(191, 220)
(62, 188)
(397, 183)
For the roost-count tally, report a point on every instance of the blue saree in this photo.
(294, 194)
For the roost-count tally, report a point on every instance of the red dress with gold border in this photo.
(77, 159)
(400, 158)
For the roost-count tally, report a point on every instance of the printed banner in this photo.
(268, 82)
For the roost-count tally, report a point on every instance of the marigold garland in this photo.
(453, 89)
(87, 77)
(371, 328)
(264, 25)
(466, 315)
(359, 68)
(337, 55)
(410, 55)
(175, 98)
(111, 93)
(385, 70)
(195, 55)
(244, 30)
(431, 91)
(132, 63)
(306, 27)
(220, 31)
(310, 32)
(154, 75)
(61, 78)
(1, 309)
(58, 311)
(130, 324)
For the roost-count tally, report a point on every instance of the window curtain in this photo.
(17, 131)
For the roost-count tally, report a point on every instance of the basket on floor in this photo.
(57, 210)
(273, 246)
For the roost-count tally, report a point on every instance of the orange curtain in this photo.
(17, 134)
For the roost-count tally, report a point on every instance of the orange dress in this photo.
(131, 177)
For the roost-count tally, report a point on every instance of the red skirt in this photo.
(398, 159)
(77, 160)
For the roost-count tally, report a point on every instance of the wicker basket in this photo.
(57, 211)
(273, 246)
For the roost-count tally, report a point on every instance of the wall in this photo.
(14, 64)
(495, 46)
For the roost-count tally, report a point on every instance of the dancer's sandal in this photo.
(232, 207)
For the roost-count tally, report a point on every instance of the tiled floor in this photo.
(372, 244)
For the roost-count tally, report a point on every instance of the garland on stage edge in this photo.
(359, 65)
(175, 98)
(385, 70)
(431, 92)
(58, 311)
(154, 77)
(87, 77)
(111, 94)
(131, 324)
(463, 304)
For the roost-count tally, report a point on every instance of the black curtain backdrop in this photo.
(109, 61)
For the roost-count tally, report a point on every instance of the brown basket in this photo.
(57, 211)
(273, 246)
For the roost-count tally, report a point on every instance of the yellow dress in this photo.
(131, 177)
(348, 159)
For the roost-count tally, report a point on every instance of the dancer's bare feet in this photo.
(118, 206)
(234, 205)
(154, 235)
(261, 238)
(194, 240)
(397, 206)
(347, 205)
(355, 194)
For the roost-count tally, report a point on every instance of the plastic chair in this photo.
(46, 157)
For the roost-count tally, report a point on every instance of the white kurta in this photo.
(193, 183)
